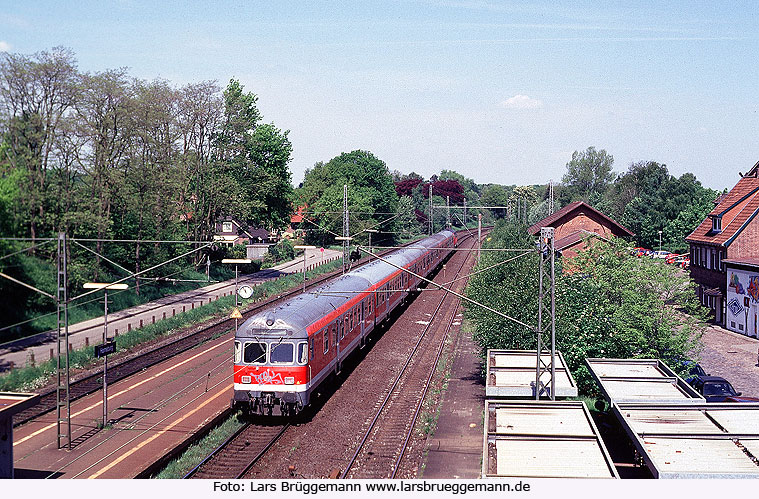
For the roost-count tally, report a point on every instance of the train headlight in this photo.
(289, 380)
(245, 379)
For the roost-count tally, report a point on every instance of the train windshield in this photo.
(281, 353)
(254, 352)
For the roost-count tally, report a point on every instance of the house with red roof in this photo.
(729, 232)
(576, 225)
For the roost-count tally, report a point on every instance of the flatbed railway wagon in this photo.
(283, 354)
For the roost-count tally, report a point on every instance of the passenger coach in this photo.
(282, 354)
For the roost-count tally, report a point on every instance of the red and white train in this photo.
(283, 354)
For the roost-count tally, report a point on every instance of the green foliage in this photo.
(610, 305)
(664, 203)
(371, 195)
(107, 156)
(283, 251)
(589, 172)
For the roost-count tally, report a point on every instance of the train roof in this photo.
(296, 314)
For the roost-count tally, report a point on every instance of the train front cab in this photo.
(271, 373)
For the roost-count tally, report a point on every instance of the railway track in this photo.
(234, 457)
(383, 446)
(92, 382)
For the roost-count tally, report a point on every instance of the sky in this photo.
(499, 91)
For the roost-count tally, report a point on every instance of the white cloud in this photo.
(521, 102)
(4, 46)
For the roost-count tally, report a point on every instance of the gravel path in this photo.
(732, 356)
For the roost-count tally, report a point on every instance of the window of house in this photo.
(716, 224)
(226, 227)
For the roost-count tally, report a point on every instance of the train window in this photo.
(326, 339)
(311, 347)
(254, 352)
(238, 352)
(302, 352)
(281, 353)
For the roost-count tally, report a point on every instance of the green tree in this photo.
(372, 199)
(588, 172)
(257, 157)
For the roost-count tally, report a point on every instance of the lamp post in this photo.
(304, 248)
(659, 240)
(105, 350)
(236, 262)
(371, 231)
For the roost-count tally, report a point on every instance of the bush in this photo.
(611, 305)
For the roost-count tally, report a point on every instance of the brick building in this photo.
(730, 231)
(576, 224)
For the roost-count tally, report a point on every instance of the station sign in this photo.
(105, 349)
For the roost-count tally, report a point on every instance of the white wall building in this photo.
(742, 300)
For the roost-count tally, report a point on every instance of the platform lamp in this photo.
(236, 262)
(106, 347)
(304, 248)
(660, 240)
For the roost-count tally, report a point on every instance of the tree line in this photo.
(108, 156)
(105, 156)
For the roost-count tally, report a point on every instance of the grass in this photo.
(30, 378)
(197, 452)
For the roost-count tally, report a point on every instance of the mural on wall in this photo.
(753, 287)
(735, 283)
(735, 306)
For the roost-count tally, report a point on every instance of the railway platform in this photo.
(454, 450)
(148, 415)
(41, 347)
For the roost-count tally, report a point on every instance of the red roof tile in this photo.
(735, 208)
(551, 219)
(575, 237)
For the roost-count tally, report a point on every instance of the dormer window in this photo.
(716, 224)
(226, 227)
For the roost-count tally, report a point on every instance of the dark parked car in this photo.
(717, 389)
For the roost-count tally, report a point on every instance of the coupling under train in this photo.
(283, 354)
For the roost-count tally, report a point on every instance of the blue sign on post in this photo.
(105, 349)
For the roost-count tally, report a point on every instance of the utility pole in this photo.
(430, 216)
(479, 236)
(464, 221)
(546, 292)
(63, 398)
(448, 212)
(346, 232)
(550, 197)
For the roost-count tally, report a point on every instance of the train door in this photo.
(338, 335)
